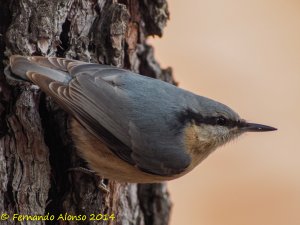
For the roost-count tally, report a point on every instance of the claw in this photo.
(101, 185)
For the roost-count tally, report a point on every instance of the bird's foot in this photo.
(101, 185)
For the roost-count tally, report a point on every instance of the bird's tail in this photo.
(51, 67)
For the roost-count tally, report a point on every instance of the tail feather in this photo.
(53, 68)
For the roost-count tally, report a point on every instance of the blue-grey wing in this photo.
(138, 111)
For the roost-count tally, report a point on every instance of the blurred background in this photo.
(245, 54)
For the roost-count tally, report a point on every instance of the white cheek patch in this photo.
(213, 131)
(217, 134)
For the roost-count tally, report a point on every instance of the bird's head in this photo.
(211, 124)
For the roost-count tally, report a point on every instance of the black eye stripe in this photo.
(222, 121)
(190, 116)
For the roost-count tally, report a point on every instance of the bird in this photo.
(129, 127)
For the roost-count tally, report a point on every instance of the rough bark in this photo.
(36, 151)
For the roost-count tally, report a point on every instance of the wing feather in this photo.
(130, 113)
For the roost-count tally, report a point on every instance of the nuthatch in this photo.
(129, 127)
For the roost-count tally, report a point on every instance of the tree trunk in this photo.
(36, 151)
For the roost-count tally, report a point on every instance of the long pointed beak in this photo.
(254, 127)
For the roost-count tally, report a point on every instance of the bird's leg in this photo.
(102, 181)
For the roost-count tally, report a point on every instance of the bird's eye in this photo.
(221, 121)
